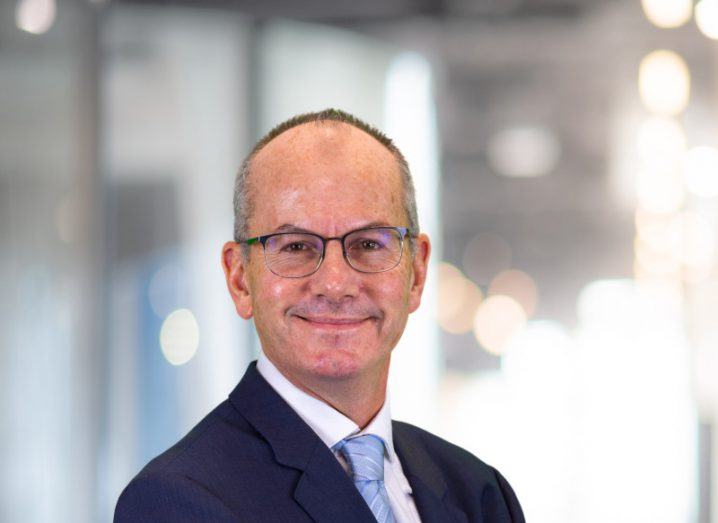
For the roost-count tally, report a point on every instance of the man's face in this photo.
(337, 323)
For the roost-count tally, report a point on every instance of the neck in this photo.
(359, 397)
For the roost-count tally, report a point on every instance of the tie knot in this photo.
(365, 455)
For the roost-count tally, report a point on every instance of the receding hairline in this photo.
(272, 138)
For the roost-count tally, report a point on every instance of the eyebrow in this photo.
(288, 227)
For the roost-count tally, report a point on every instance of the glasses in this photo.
(299, 254)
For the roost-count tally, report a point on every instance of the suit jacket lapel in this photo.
(426, 479)
(327, 494)
(324, 490)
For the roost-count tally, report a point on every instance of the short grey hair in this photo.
(243, 207)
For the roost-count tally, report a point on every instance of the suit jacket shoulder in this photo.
(190, 481)
(464, 481)
(251, 459)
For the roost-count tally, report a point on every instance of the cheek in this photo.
(392, 295)
(270, 297)
(275, 298)
(273, 292)
(265, 287)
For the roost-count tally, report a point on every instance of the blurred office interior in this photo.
(566, 160)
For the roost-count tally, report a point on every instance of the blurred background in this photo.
(566, 162)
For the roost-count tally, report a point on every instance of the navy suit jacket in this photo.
(253, 459)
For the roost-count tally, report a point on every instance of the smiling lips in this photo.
(332, 322)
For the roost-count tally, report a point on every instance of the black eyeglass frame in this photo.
(403, 233)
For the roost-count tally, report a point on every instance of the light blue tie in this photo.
(365, 455)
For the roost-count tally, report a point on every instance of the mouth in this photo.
(332, 322)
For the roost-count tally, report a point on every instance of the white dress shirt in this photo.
(332, 426)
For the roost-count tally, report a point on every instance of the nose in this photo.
(335, 279)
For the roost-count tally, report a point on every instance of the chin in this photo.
(337, 363)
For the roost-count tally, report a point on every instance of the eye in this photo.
(367, 244)
(370, 245)
(296, 247)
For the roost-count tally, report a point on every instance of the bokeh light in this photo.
(667, 14)
(451, 290)
(35, 16)
(524, 152)
(606, 302)
(654, 229)
(661, 143)
(664, 82)
(519, 286)
(458, 299)
(700, 168)
(485, 256)
(539, 357)
(179, 336)
(498, 319)
(655, 261)
(693, 240)
(660, 191)
(707, 18)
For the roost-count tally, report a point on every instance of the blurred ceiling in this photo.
(348, 11)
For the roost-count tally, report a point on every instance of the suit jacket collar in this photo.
(324, 490)
(431, 493)
(328, 423)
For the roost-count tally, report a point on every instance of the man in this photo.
(329, 262)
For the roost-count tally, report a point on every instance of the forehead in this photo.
(325, 174)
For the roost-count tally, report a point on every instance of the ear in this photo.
(235, 272)
(420, 266)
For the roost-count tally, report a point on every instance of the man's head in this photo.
(243, 203)
(325, 173)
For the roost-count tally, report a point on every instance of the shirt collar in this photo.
(330, 425)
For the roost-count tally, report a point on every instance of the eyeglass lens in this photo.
(367, 250)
